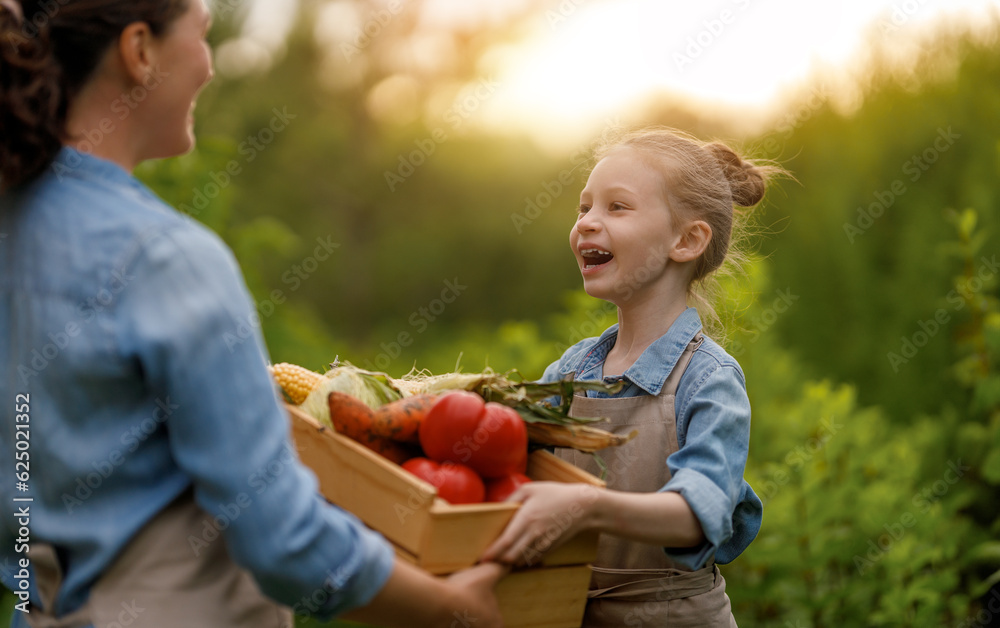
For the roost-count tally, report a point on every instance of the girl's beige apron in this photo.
(157, 581)
(635, 584)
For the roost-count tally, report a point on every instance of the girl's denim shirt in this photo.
(713, 430)
(130, 327)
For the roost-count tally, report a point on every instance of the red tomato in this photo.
(456, 483)
(499, 489)
(488, 437)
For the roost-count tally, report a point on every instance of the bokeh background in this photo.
(398, 180)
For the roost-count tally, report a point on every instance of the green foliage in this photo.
(880, 491)
(868, 258)
(869, 334)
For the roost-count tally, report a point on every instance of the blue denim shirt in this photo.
(130, 327)
(713, 430)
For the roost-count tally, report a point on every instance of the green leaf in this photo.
(986, 552)
(980, 589)
(991, 467)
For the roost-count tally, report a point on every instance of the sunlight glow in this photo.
(586, 61)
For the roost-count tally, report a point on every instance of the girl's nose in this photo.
(587, 223)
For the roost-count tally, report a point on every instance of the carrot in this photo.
(400, 420)
(350, 416)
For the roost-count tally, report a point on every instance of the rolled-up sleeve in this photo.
(190, 324)
(713, 430)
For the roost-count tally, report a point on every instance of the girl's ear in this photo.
(135, 46)
(692, 241)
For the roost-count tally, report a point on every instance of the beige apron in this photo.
(636, 584)
(157, 581)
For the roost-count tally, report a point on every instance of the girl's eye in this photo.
(583, 209)
(617, 206)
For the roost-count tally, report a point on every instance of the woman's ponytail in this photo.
(32, 99)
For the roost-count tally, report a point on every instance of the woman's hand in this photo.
(550, 514)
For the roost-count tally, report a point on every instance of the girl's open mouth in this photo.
(592, 258)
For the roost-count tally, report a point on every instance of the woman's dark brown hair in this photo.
(47, 54)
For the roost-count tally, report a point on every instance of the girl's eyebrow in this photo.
(613, 189)
(622, 188)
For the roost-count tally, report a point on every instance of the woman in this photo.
(150, 434)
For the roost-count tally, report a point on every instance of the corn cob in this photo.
(296, 381)
(581, 437)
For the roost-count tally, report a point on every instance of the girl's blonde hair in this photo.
(703, 181)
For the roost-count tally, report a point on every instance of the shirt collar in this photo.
(70, 162)
(653, 367)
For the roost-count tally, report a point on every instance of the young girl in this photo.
(654, 222)
(147, 428)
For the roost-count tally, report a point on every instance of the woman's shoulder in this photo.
(96, 198)
(103, 220)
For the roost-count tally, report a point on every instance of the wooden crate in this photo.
(547, 597)
(442, 537)
(436, 535)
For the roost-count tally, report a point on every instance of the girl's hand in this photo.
(413, 598)
(551, 513)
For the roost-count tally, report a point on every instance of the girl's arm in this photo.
(412, 597)
(551, 513)
(693, 513)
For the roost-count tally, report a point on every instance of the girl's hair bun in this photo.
(746, 180)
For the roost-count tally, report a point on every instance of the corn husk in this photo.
(581, 437)
(373, 389)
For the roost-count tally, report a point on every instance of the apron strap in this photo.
(663, 584)
(670, 386)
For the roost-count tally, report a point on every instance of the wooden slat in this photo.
(551, 597)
